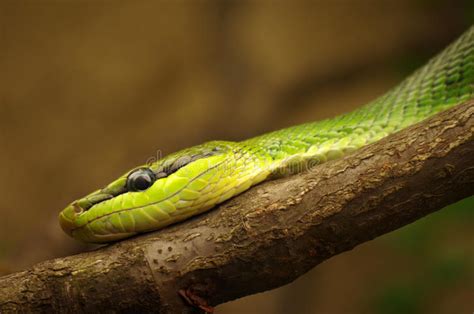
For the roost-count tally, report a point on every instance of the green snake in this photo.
(196, 179)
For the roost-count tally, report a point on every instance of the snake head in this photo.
(167, 191)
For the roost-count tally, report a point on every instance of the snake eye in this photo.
(140, 179)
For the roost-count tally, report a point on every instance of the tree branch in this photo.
(266, 237)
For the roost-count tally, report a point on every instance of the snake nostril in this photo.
(77, 208)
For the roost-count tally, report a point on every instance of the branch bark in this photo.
(266, 237)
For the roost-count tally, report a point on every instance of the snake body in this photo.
(196, 179)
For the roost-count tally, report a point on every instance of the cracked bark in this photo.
(266, 237)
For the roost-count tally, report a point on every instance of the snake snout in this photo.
(67, 217)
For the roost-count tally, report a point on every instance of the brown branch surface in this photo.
(266, 237)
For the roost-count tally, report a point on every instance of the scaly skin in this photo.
(196, 179)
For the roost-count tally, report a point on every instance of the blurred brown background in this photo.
(89, 89)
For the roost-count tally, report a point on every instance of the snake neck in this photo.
(445, 81)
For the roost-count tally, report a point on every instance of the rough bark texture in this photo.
(266, 237)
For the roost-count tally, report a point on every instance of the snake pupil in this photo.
(140, 180)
